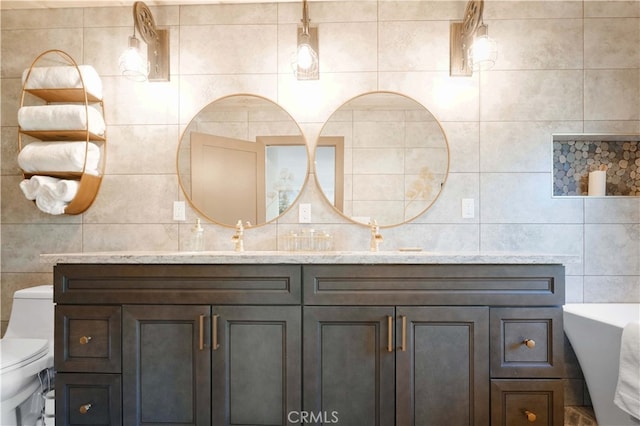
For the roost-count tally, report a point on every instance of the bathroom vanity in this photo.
(385, 338)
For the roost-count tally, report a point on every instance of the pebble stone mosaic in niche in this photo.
(573, 160)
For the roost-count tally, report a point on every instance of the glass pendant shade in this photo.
(305, 61)
(132, 64)
(306, 57)
(484, 50)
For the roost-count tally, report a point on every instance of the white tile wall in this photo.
(563, 67)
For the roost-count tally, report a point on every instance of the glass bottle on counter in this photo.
(197, 236)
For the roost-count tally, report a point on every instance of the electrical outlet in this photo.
(304, 213)
(179, 210)
(468, 208)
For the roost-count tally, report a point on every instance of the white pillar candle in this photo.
(597, 183)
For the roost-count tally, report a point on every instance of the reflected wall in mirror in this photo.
(242, 157)
(396, 159)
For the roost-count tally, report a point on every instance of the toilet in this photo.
(25, 351)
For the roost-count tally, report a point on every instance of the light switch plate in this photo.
(304, 213)
(468, 208)
(179, 210)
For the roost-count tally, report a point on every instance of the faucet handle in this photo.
(376, 236)
(237, 237)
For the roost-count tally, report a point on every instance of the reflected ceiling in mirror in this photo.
(242, 157)
(394, 154)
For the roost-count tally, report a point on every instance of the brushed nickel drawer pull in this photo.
(530, 343)
(85, 339)
(531, 417)
(389, 333)
(404, 333)
(84, 409)
(215, 332)
(201, 332)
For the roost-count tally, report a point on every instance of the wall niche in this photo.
(575, 155)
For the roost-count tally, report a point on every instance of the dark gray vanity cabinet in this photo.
(171, 360)
(467, 344)
(397, 365)
(322, 344)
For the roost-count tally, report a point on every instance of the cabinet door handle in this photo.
(530, 343)
(215, 332)
(389, 333)
(85, 339)
(403, 348)
(531, 417)
(84, 409)
(201, 332)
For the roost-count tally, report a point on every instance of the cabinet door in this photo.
(348, 366)
(166, 376)
(256, 364)
(442, 366)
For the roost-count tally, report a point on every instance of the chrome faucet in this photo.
(237, 237)
(376, 236)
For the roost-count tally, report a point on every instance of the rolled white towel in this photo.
(59, 157)
(64, 77)
(66, 189)
(31, 187)
(61, 117)
(49, 203)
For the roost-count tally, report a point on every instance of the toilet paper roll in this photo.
(597, 183)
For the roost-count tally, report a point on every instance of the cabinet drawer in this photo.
(526, 342)
(159, 284)
(88, 339)
(526, 402)
(434, 285)
(88, 399)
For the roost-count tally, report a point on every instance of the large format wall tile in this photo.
(524, 198)
(611, 43)
(612, 249)
(535, 238)
(554, 95)
(133, 237)
(612, 94)
(538, 43)
(139, 199)
(520, 146)
(611, 289)
(563, 67)
(22, 245)
(142, 149)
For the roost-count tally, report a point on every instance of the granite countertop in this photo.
(327, 257)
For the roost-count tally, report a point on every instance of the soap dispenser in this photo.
(197, 236)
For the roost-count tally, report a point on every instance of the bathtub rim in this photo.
(614, 314)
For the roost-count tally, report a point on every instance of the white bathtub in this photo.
(594, 330)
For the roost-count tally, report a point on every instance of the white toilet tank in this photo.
(32, 313)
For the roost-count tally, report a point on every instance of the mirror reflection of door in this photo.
(228, 178)
(329, 168)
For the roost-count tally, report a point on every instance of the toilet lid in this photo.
(15, 353)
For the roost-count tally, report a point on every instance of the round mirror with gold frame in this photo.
(242, 157)
(381, 156)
